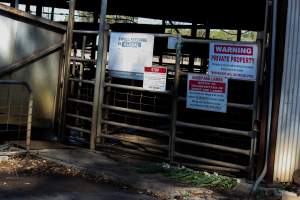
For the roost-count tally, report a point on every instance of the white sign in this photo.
(235, 61)
(130, 52)
(155, 78)
(206, 92)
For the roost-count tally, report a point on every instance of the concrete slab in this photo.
(98, 164)
(290, 196)
(63, 188)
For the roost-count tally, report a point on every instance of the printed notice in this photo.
(205, 92)
(155, 78)
(129, 53)
(234, 61)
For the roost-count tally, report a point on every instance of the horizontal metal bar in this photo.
(151, 130)
(212, 168)
(79, 117)
(218, 129)
(82, 81)
(182, 73)
(78, 129)
(241, 106)
(12, 115)
(211, 161)
(76, 59)
(15, 82)
(163, 35)
(164, 147)
(86, 32)
(152, 114)
(214, 146)
(233, 105)
(128, 87)
(80, 101)
(130, 151)
(200, 41)
(159, 35)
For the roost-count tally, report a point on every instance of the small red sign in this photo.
(156, 69)
(214, 87)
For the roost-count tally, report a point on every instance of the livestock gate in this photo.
(116, 113)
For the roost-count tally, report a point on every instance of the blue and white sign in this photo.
(129, 53)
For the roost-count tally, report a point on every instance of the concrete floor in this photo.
(59, 187)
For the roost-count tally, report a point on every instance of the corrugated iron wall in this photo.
(287, 156)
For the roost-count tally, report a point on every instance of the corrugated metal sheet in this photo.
(287, 154)
(19, 40)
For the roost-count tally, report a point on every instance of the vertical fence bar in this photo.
(255, 111)
(98, 95)
(174, 99)
(17, 4)
(29, 122)
(102, 88)
(66, 70)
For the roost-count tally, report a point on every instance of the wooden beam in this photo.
(21, 15)
(27, 60)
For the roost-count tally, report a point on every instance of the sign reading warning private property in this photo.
(205, 92)
(234, 61)
(129, 53)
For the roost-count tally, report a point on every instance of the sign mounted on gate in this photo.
(233, 60)
(129, 53)
(206, 92)
(155, 78)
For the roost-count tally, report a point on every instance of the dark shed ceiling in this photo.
(225, 14)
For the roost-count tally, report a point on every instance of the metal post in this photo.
(52, 14)
(66, 70)
(17, 4)
(239, 35)
(39, 9)
(161, 52)
(194, 35)
(29, 122)
(174, 99)
(98, 92)
(271, 93)
(27, 8)
(255, 116)
(102, 86)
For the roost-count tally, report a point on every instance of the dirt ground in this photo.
(33, 179)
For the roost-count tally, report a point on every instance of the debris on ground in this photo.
(190, 176)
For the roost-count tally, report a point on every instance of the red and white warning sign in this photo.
(205, 92)
(155, 78)
(235, 61)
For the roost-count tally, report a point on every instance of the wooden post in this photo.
(66, 69)
(100, 73)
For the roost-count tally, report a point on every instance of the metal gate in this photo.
(158, 123)
(16, 102)
(115, 113)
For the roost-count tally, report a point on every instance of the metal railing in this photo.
(16, 103)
